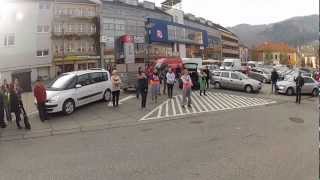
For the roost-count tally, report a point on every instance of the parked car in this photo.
(235, 81)
(231, 64)
(288, 86)
(71, 90)
(260, 74)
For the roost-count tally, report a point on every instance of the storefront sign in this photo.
(128, 47)
(138, 40)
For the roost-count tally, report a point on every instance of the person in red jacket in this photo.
(41, 97)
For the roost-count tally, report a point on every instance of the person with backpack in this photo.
(299, 84)
(171, 78)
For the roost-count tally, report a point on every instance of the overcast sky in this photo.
(234, 12)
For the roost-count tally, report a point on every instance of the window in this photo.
(225, 74)
(9, 40)
(43, 28)
(84, 80)
(70, 47)
(82, 46)
(44, 5)
(308, 80)
(70, 27)
(234, 76)
(43, 53)
(81, 27)
(93, 28)
(97, 77)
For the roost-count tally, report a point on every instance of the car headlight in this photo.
(281, 87)
(54, 99)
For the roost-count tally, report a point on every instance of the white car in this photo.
(74, 89)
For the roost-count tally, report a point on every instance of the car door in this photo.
(83, 89)
(236, 82)
(97, 85)
(308, 86)
(225, 79)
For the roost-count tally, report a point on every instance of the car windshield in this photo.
(227, 63)
(61, 82)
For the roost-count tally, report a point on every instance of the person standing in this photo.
(143, 84)
(7, 109)
(14, 105)
(207, 79)
(164, 79)
(299, 84)
(40, 95)
(137, 85)
(186, 89)
(155, 85)
(203, 82)
(116, 82)
(19, 91)
(171, 78)
(2, 123)
(274, 79)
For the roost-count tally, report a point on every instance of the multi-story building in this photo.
(75, 35)
(213, 49)
(243, 53)
(25, 48)
(124, 22)
(275, 53)
(230, 43)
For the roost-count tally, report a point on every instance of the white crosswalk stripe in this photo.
(202, 104)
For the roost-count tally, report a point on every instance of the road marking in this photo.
(122, 100)
(202, 104)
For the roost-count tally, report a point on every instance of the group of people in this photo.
(168, 78)
(11, 103)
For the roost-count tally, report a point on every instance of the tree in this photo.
(284, 59)
(268, 58)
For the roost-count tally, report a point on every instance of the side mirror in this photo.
(78, 86)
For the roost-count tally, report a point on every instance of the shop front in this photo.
(75, 63)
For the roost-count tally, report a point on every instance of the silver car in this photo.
(235, 80)
(288, 86)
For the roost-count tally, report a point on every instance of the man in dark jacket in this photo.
(2, 123)
(274, 79)
(143, 88)
(299, 84)
(207, 72)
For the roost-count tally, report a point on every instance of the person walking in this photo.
(171, 78)
(19, 91)
(186, 89)
(116, 82)
(203, 82)
(155, 85)
(164, 79)
(40, 95)
(7, 109)
(143, 84)
(299, 84)
(274, 80)
(137, 84)
(2, 123)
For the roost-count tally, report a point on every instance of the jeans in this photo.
(115, 98)
(273, 87)
(144, 94)
(298, 95)
(42, 111)
(7, 110)
(186, 97)
(170, 89)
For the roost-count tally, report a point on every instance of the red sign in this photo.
(127, 39)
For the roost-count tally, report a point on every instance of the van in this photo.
(231, 65)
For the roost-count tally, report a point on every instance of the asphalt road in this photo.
(272, 142)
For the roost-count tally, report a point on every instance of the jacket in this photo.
(143, 84)
(40, 93)
(299, 81)
(1, 102)
(274, 76)
(14, 102)
(202, 81)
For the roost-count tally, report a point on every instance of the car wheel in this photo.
(217, 85)
(107, 96)
(315, 92)
(290, 92)
(68, 107)
(248, 89)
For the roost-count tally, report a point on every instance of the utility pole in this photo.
(63, 48)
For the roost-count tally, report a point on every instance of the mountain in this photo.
(294, 31)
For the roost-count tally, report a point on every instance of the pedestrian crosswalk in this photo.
(202, 104)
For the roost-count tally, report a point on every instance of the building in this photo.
(243, 53)
(75, 35)
(25, 48)
(230, 44)
(124, 25)
(214, 46)
(309, 55)
(275, 53)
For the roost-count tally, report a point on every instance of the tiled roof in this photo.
(280, 47)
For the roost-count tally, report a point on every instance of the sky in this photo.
(233, 12)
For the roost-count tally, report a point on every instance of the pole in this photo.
(63, 48)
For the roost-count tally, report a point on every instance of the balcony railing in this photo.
(74, 53)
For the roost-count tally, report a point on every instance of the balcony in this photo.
(229, 43)
(60, 54)
(230, 51)
(73, 35)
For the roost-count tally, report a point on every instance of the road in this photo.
(275, 141)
